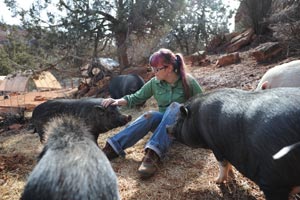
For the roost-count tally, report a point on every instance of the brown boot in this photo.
(149, 164)
(109, 152)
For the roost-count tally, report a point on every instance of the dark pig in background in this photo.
(122, 85)
(284, 75)
(71, 166)
(89, 110)
(246, 129)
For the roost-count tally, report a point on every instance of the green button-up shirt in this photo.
(163, 92)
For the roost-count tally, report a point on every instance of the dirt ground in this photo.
(185, 173)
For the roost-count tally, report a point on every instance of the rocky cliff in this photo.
(279, 19)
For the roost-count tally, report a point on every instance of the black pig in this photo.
(71, 166)
(246, 129)
(89, 110)
(122, 85)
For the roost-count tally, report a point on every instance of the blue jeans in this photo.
(151, 121)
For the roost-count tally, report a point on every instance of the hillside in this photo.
(186, 173)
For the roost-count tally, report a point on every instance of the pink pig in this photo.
(284, 75)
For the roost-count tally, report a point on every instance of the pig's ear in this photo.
(184, 111)
(101, 108)
(264, 85)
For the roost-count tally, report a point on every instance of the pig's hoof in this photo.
(221, 180)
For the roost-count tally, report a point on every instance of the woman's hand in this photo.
(114, 102)
(109, 101)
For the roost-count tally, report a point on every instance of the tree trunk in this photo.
(122, 50)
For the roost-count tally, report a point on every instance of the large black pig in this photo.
(71, 166)
(246, 129)
(122, 85)
(89, 110)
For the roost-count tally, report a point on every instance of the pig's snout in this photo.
(128, 118)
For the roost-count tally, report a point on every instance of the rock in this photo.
(228, 59)
(241, 40)
(196, 58)
(266, 51)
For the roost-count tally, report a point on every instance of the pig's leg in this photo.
(224, 169)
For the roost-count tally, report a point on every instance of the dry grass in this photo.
(184, 174)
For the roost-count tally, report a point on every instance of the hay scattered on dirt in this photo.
(185, 173)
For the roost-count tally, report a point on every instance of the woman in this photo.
(170, 87)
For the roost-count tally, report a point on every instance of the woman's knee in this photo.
(175, 105)
(150, 115)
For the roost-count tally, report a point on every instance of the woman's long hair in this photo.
(177, 61)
